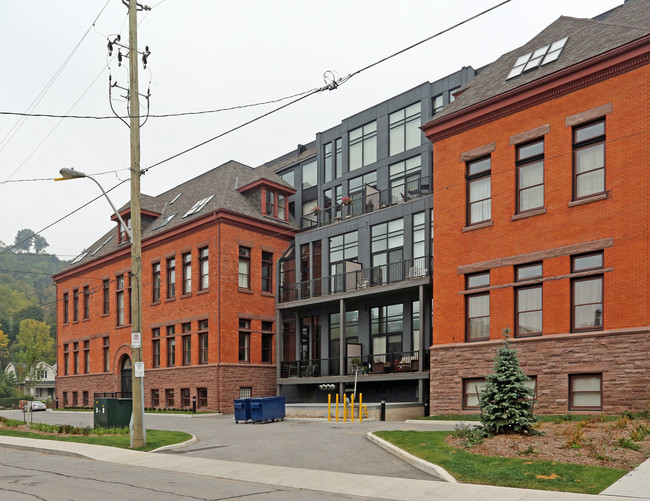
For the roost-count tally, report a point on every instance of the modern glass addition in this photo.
(309, 175)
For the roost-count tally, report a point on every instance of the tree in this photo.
(7, 384)
(33, 345)
(4, 345)
(39, 244)
(24, 239)
(506, 404)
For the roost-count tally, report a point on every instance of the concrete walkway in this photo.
(632, 487)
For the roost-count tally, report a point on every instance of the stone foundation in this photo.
(622, 357)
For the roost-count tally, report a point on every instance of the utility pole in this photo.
(138, 437)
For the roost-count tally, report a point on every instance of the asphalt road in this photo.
(28, 475)
(312, 444)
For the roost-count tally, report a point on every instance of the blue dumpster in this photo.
(267, 409)
(242, 409)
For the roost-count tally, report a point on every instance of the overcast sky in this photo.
(205, 55)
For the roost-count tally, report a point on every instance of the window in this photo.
(415, 325)
(65, 399)
(387, 243)
(362, 191)
(387, 327)
(437, 104)
(351, 334)
(203, 397)
(156, 282)
(119, 299)
(198, 206)
(86, 357)
(169, 398)
(405, 179)
(204, 269)
(66, 301)
(203, 341)
(267, 271)
(585, 392)
(472, 389)
(289, 177)
(477, 308)
(84, 399)
(267, 342)
(343, 253)
(75, 398)
(171, 278)
(309, 175)
(404, 129)
(106, 298)
(107, 359)
(363, 146)
(155, 398)
(76, 358)
(244, 268)
(187, 273)
(171, 346)
(245, 392)
(155, 347)
(244, 340)
(589, 160)
(270, 203)
(587, 294)
(528, 301)
(338, 158)
(530, 176)
(185, 397)
(187, 350)
(479, 186)
(328, 157)
(419, 241)
(282, 207)
(86, 302)
(129, 302)
(75, 305)
(539, 57)
(66, 360)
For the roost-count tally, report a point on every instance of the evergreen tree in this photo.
(506, 404)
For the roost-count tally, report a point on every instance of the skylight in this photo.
(537, 58)
(164, 221)
(198, 206)
(79, 257)
(175, 198)
(102, 245)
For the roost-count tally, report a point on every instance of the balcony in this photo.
(357, 279)
(387, 363)
(368, 200)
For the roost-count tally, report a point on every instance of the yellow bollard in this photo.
(337, 407)
(352, 409)
(345, 409)
(329, 406)
(360, 405)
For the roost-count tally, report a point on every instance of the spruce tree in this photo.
(506, 404)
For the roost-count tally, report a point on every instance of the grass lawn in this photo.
(155, 438)
(544, 419)
(507, 472)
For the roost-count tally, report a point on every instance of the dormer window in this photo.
(274, 204)
(270, 203)
(123, 232)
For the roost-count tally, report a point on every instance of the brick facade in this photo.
(614, 222)
(222, 304)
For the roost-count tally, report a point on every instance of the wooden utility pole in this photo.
(138, 437)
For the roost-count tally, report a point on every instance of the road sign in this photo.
(136, 340)
(139, 369)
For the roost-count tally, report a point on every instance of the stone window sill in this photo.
(530, 213)
(588, 200)
(478, 226)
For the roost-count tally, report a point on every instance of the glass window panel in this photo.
(533, 63)
(588, 316)
(478, 328)
(522, 59)
(481, 211)
(588, 262)
(356, 153)
(590, 131)
(551, 56)
(531, 175)
(531, 198)
(529, 322)
(309, 175)
(479, 166)
(529, 271)
(396, 140)
(529, 299)
(586, 383)
(479, 280)
(370, 150)
(479, 306)
(541, 51)
(530, 150)
(586, 399)
(590, 158)
(480, 189)
(588, 291)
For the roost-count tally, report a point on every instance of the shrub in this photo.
(469, 435)
(628, 444)
(506, 404)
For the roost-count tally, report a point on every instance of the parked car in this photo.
(35, 405)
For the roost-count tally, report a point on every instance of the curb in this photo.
(420, 464)
(176, 446)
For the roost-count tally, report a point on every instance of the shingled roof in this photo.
(586, 38)
(217, 187)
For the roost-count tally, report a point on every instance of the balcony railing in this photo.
(368, 200)
(386, 363)
(357, 279)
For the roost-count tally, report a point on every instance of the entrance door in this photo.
(126, 377)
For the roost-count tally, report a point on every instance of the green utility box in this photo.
(112, 412)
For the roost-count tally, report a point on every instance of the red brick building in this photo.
(208, 251)
(541, 183)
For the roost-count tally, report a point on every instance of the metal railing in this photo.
(386, 363)
(362, 278)
(367, 200)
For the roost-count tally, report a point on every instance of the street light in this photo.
(138, 437)
(75, 174)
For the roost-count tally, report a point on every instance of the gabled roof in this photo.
(217, 189)
(586, 38)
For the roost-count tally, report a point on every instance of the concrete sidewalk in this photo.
(632, 487)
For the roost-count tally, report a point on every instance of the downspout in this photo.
(219, 316)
